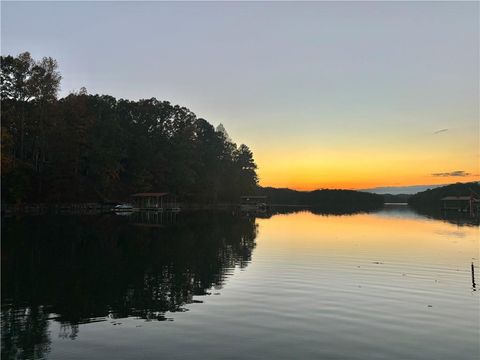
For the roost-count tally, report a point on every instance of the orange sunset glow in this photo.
(372, 167)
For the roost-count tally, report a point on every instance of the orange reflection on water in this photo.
(382, 234)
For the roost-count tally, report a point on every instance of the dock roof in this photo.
(456, 198)
(152, 194)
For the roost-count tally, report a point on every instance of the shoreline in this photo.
(102, 208)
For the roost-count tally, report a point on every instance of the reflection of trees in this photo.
(456, 218)
(25, 332)
(68, 331)
(87, 267)
(317, 209)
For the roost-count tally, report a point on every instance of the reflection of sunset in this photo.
(367, 234)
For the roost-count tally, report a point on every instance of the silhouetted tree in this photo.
(94, 147)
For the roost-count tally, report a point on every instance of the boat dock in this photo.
(159, 201)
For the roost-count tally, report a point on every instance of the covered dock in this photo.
(253, 202)
(465, 204)
(155, 201)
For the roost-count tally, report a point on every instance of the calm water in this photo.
(386, 285)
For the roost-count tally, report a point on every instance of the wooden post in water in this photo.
(473, 276)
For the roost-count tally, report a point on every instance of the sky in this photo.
(348, 95)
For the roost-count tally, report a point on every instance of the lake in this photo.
(220, 285)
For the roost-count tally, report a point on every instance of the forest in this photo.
(431, 198)
(325, 200)
(96, 148)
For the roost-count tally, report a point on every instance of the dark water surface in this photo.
(217, 285)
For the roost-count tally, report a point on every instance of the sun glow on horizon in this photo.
(363, 169)
(308, 183)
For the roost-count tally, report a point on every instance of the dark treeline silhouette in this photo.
(84, 148)
(430, 199)
(77, 269)
(324, 201)
(429, 203)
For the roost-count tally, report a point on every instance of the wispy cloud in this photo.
(439, 131)
(459, 173)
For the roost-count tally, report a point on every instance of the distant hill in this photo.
(398, 190)
(430, 199)
(331, 200)
(396, 198)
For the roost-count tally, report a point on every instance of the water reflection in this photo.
(89, 268)
(456, 218)
(393, 274)
(392, 210)
(25, 332)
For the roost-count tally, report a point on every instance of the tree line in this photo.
(325, 200)
(431, 199)
(83, 147)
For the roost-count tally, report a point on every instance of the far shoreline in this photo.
(103, 208)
